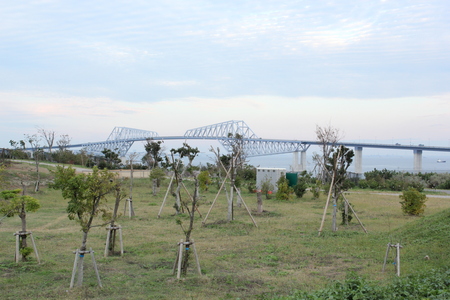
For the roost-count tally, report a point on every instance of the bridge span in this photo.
(122, 138)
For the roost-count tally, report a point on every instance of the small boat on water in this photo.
(441, 161)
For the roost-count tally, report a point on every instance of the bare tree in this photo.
(49, 137)
(63, 142)
(327, 137)
(34, 141)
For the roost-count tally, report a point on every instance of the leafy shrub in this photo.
(346, 217)
(267, 188)
(363, 184)
(204, 180)
(284, 191)
(434, 284)
(25, 251)
(300, 188)
(413, 202)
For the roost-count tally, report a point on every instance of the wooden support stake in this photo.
(74, 271)
(386, 256)
(180, 258)
(165, 197)
(199, 270)
(95, 268)
(17, 254)
(78, 264)
(217, 196)
(19, 235)
(35, 248)
(108, 237)
(397, 257)
(245, 205)
(121, 241)
(326, 206)
(360, 223)
(112, 232)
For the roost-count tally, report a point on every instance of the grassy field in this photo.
(238, 260)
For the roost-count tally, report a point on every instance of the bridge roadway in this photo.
(122, 138)
(262, 147)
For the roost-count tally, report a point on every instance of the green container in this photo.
(292, 179)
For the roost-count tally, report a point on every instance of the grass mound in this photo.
(425, 246)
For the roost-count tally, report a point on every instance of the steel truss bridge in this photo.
(122, 138)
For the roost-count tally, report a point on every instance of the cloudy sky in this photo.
(378, 70)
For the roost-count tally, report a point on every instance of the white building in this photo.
(269, 174)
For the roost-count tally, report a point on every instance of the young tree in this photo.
(87, 197)
(327, 138)
(119, 194)
(413, 202)
(156, 176)
(204, 180)
(112, 158)
(337, 164)
(34, 141)
(15, 202)
(267, 187)
(176, 165)
(284, 191)
(153, 154)
(187, 231)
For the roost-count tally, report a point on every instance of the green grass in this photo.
(238, 260)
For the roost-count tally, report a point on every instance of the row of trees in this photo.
(399, 181)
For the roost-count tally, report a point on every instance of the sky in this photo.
(377, 70)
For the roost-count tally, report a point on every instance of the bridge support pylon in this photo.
(358, 160)
(297, 165)
(417, 161)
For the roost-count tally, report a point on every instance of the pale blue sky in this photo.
(377, 70)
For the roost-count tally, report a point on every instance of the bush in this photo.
(413, 202)
(284, 191)
(300, 188)
(363, 184)
(430, 285)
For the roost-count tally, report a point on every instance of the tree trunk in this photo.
(36, 187)
(259, 202)
(131, 180)
(230, 205)
(154, 187)
(187, 251)
(238, 199)
(23, 238)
